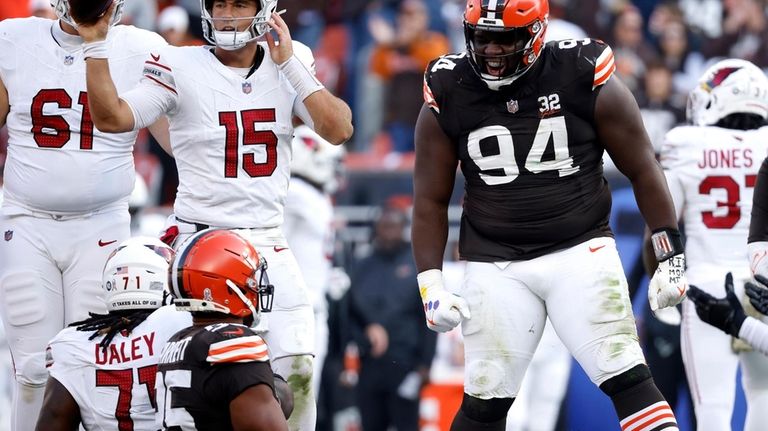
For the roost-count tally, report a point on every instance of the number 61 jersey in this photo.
(58, 162)
(529, 152)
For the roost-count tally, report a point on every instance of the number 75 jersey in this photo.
(529, 152)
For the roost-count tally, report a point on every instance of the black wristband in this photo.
(735, 324)
(666, 243)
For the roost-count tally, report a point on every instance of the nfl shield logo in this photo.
(68, 60)
(8, 235)
(512, 106)
(247, 87)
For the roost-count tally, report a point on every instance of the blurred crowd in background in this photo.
(372, 53)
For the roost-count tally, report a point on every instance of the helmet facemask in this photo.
(504, 38)
(231, 40)
(253, 289)
(513, 57)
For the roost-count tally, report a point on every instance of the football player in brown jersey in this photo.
(528, 125)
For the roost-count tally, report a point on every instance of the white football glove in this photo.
(669, 284)
(443, 310)
(758, 257)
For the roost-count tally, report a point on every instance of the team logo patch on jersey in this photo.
(8, 235)
(160, 74)
(247, 87)
(513, 106)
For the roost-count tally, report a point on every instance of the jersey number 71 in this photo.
(123, 380)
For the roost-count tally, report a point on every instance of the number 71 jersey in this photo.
(115, 388)
(529, 152)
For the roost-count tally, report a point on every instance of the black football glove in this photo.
(726, 313)
(758, 293)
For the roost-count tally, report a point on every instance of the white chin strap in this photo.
(245, 300)
(232, 40)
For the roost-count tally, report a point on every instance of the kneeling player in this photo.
(216, 375)
(102, 369)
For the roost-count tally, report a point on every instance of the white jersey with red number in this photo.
(231, 135)
(116, 387)
(711, 173)
(58, 162)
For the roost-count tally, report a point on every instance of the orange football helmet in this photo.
(218, 270)
(515, 29)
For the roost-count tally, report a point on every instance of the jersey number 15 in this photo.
(249, 136)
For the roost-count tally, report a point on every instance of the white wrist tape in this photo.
(300, 77)
(95, 50)
(429, 279)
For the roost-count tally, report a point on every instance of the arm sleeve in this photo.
(148, 101)
(755, 333)
(758, 225)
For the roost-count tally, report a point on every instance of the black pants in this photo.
(380, 406)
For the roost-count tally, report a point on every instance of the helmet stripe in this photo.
(491, 9)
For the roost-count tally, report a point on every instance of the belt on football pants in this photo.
(198, 226)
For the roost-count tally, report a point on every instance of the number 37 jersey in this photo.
(529, 152)
(711, 173)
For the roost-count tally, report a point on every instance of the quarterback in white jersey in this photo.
(231, 109)
(102, 369)
(711, 169)
(66, 187)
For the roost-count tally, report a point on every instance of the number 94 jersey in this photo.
(529, 152)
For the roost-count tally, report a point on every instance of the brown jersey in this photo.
(202, 369)
(529, 152)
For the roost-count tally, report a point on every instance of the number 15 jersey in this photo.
(529, 152)
(230, 133)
